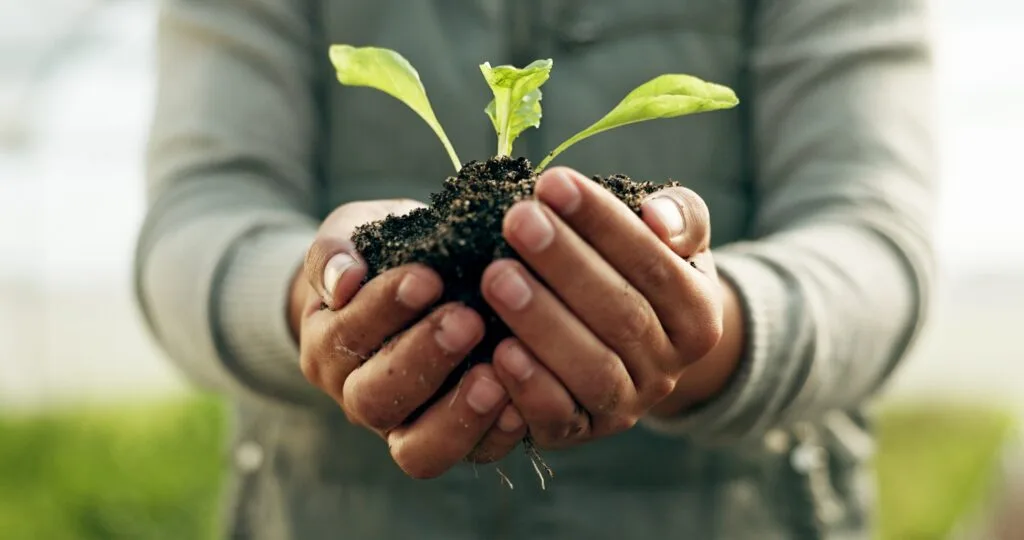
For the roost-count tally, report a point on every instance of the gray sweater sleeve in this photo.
(836, 279)
(230, 201)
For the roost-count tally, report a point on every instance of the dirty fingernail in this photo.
(511, 289)
(456, 332)
(335, 268)
(562, 193)
(668, 213)
(415, 292)
(534, 229)
(484, 395)
(517, 363)
(510, 420)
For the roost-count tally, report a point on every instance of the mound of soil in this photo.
(459, 234)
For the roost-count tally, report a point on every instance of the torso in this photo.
(323, 478)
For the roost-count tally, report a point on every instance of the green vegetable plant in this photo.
(516, 106)
(516, 103)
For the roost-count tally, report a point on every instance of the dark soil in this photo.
(459, 234)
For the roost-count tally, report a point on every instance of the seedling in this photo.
(516, 106)
(459, 233)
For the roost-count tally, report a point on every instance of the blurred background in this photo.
(100, 438)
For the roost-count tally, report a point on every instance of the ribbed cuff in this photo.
(252, 314)
(735, 412)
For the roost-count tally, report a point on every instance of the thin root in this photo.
(458, 388)
(339, 346)
(543, 484)
(535, 455)
(538, 463)
(504, 479)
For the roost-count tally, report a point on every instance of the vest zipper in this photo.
(810, 458)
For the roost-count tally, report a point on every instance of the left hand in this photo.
(617, 314)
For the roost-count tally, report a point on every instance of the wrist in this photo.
(707, 377)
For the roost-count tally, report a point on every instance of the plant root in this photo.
(504, 478)
(537, 461)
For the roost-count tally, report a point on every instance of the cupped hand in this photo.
(381, 354)
(608, 310)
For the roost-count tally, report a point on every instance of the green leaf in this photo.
(391, 73)
(665, 96)
(516, 104)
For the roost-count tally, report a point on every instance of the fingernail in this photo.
(667, 212)
(335, 268)
(484, 395)
(562, 193)
(517, 363)
(533, 228)
(511, 289)
(510, 420)
(455, 333)
(415, 292)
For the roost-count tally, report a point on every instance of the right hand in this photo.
(475, 421)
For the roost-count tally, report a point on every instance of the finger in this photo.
(384, 391)
(503, 436)
(679, 217)
(334, 269)
(336, 342)
(553, 417)
(449, 430)
(665, 279)
(593, 373)
(586, 282)
(383, 307)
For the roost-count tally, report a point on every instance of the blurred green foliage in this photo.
(936, 464)
(140, 473)
(153, 472)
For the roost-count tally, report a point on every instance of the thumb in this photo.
(680, 218)
(333, 267)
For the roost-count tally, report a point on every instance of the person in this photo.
(723, 400)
